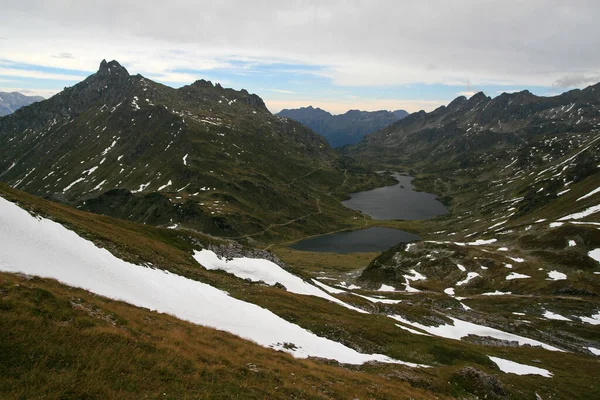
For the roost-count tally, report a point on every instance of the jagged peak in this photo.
(111, 68)
(457, 101)
(202, 83)
(479, 96)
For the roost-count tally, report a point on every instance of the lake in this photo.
(374, 239)
(399, 201)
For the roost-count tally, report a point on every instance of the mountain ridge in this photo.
(211, 153)
(12, 101)
(343, 129)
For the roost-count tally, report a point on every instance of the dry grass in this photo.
(60, 342)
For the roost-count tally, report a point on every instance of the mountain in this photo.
(207, 157)
(129, 310)
(500, 300)
(343, 129)
(470, 129)
(11, 102)
(520, 250)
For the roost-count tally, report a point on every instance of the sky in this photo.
(335, 54)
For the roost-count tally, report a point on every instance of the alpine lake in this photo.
(396, 202)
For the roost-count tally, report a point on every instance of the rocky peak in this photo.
(202, 83)
(255, 101)
(457, 102)
(478, 97)
(111, 68)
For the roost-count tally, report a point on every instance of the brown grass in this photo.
(101, 349)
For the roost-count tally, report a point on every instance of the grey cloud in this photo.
(574, 81)
(495, 41)
(64, 55)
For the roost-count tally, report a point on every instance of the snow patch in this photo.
(386, 288)
(582, 214)
(557, 317)
(593, 192)
(496, 293)
(512, 367)
(165, 185)
(593, 320)
(515, 275)
(556, 276)
(470, 276)
(258, 269)
(595, 254)
(76, 181)
(459, 329)
(480, 242)
(41, 247)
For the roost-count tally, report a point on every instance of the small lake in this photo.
(376, 239)
(399, 201)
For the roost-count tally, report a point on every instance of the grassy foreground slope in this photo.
(111, 349)
(60, 342)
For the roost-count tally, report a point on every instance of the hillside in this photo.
(343, 129)
(521, 175)
(201, 156)
(109, 348)
(11, 102)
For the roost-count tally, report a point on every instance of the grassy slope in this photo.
(60, 342)
(171, 250)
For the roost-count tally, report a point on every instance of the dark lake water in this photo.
(400, 201)
(374, 239)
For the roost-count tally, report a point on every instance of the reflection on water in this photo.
(400, 201)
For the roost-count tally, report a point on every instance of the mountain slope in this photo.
(470, 129)
(343, 129)
(57, 333)
(11, 102)
(210, 157)
(521, 175)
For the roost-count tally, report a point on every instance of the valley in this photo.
(470, 271)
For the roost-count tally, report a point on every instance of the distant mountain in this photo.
(210, 158)
(482, 129)
(343, 129)
(11, 102)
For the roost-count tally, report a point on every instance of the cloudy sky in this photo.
(335, 54)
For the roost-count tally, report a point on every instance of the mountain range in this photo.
(145, 239)
(11, 102)
(343, 129)
(207, 157)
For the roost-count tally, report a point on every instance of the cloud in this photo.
(45, 93)
(508, 43)
(532, 43)
(575, 81)
(508, 91)
(466, 93)
(63, 55)
(281, 91)
(26, 73)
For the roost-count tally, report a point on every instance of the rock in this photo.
(480, 384)
(235, 250)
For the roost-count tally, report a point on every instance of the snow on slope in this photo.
(519, 369)
(258, 269)
(38, 246)
(461, 328)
